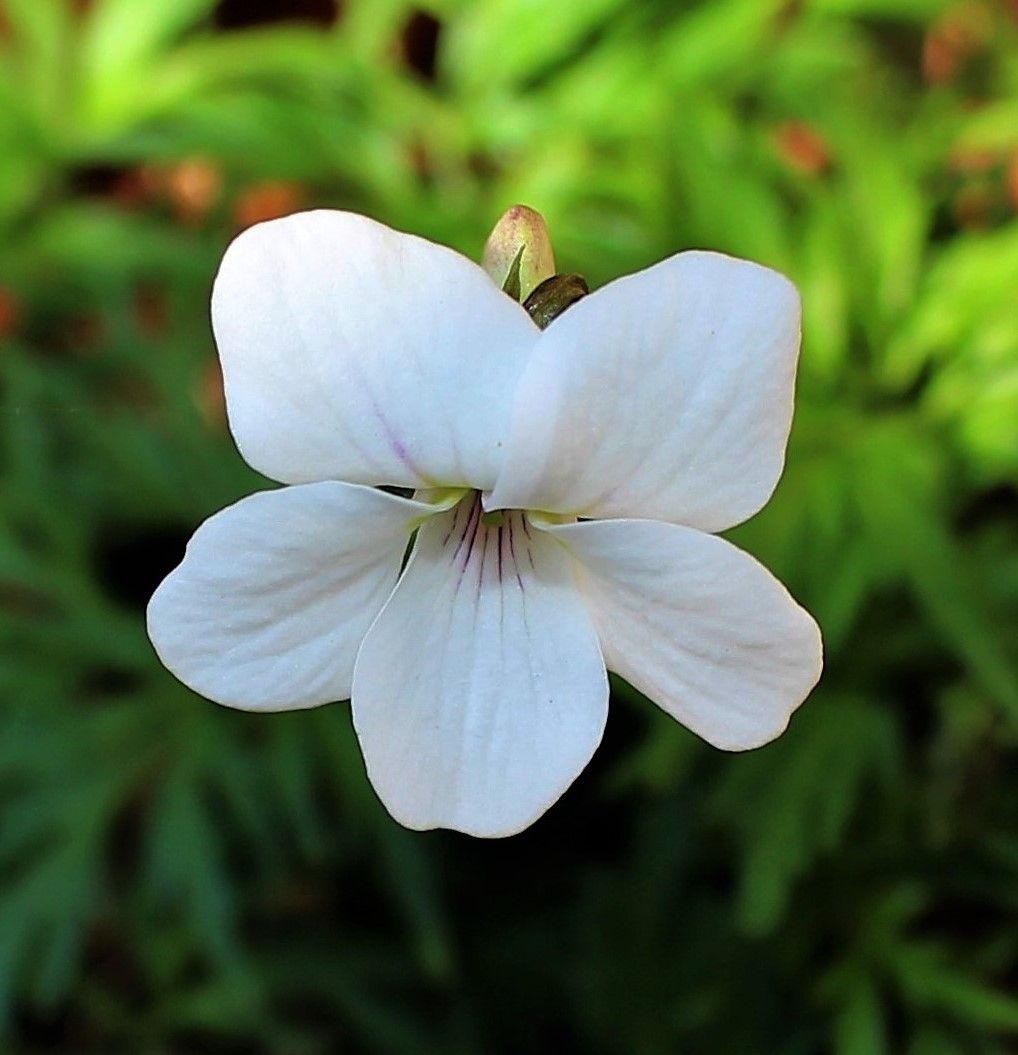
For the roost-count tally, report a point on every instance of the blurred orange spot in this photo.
(954, 37)
(803, 148)
(85, 332)
(138, 393)
(973, 161)
(150, 311)
(940, 58)
(10, 313)
(209, 397)
(267, 201)
(153, 180)
(133, 188)
(418, 158)
(193, 188)
(973, 207)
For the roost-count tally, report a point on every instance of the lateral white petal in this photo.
(275, 593)
(356, 352)
(666, 394)
(698, 626)
(480, 692)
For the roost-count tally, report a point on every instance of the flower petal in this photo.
(355, 352)
(275, 593)
(480, 692)
(666, 394)
(697, 625)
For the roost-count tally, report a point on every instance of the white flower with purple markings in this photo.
(564, 485)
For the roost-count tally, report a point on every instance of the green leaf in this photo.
(899, 503)
(933, 982)
(793, 803)
(860, 1028)
(496, 44)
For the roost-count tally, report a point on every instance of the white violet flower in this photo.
(566, 482)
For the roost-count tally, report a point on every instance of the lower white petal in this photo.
(698, 626)
(480, 692)
(275, 593)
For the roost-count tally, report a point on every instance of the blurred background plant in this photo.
(175, 877)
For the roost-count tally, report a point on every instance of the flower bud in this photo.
(518, 254)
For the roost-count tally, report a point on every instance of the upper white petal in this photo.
(275, 593)
(666, 394)
(480, 692)
(351, 351)
(698, 626)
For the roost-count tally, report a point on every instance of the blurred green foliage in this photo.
(179, 878)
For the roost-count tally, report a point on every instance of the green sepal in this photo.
(554, 296)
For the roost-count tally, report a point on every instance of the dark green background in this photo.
(178, 878)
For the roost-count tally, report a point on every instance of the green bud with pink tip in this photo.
(518, 256)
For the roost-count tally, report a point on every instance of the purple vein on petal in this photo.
(486, 535)
(398, 446)
(471, 522)
(512, 554)
(452, 527)
(526, 531)
(478, 529)
(455, 522)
